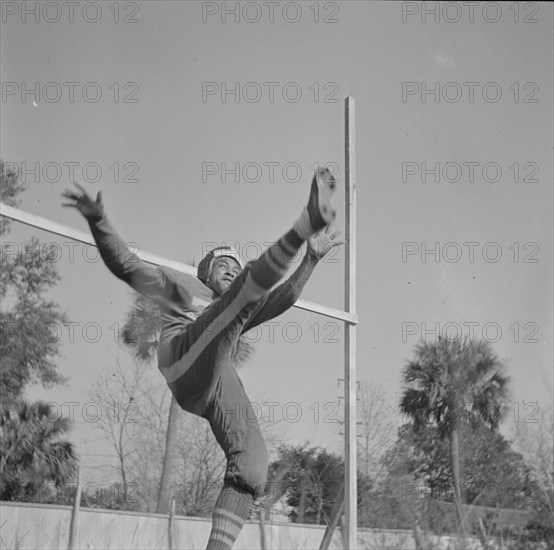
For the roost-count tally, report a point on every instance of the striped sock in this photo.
(303, 226)
(273, 264)
(230, 512)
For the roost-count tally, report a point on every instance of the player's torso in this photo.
(190, 298)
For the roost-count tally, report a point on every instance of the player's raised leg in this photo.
(189, 373)
(274, 262)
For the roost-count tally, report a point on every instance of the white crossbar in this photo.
(80, 236)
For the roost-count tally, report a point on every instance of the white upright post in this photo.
(350, 393)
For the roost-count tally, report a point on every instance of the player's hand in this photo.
(322, 242)
(91, 209)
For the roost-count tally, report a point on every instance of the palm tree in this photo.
(452, 381)
(142, 328)
(32, 451)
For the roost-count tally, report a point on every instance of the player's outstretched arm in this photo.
(115, 252)
(285, 295)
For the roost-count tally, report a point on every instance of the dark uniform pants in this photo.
(205, 381)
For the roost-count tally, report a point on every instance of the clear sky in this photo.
(454, 170)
